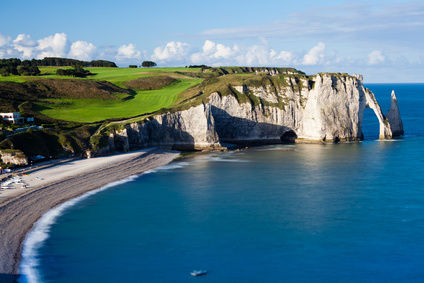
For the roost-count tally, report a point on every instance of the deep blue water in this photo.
(321, 213)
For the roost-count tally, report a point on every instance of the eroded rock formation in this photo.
(13, 157)
(393, 115)
(322, 108)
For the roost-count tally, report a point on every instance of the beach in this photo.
(46, 188)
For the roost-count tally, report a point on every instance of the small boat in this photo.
(198, 272)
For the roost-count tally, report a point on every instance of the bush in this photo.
(149, 83)
(77, 71)
(148, 64)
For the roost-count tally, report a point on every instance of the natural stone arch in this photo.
(371, 102)
(289, 136)
(371, 125)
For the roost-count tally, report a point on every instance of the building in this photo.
(13, 118)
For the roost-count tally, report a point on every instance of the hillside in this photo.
(111, 93)
(79, 111)
(119, 93)
(72, 109)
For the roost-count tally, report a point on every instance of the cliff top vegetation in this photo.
(121, 93)
(73, 108)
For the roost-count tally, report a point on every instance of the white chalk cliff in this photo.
(321, 108)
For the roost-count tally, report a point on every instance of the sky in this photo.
(382, 40)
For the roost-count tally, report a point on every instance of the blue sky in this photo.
(382, 40)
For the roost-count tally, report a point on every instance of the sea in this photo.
(348, 212)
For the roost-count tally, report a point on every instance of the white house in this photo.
(13, 118)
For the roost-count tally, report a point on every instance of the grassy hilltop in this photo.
(121, 102)
(74, 108)
(119, 93)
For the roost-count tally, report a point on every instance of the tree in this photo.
(76, 71)
(5, 71)
(34, 71)
(23, 70)
(148, 64)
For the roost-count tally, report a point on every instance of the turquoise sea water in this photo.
(320, 213)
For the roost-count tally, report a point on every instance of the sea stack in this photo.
(393, 115)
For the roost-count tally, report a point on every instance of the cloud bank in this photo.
(382, 24)
(173, 53)
(58, 45)
(317, 57)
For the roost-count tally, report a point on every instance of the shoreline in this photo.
(59, 184)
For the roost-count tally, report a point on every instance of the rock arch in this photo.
(371, 102)
(289, 136)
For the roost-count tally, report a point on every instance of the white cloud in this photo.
(256, 55)
(376, 57)
(6, 49)
(174, 51)
(315, 55)
(285, 57)
(82, 50)
(53, 46)
(382, 22)
(214, 53)
(128, 52)
(4, 40)
(216, 50)
(56, 45)
(211, 53)
(24, 44)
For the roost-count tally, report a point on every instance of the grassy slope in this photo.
(91, 110)
(179, 95)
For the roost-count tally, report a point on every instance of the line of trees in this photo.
(17, 67)
(76, 71)
(199, 66)
(55, 61)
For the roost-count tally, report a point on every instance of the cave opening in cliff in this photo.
(370, 125)
(288, 137)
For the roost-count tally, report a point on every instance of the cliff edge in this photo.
(272, 108)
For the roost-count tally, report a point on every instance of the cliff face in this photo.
(13, 157)
(323, 108)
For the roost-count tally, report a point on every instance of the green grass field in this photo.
(90, 110)
(143, 101)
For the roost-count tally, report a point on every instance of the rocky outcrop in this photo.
(190, 129)
(393, 115)
(322, 108)
(13, 157)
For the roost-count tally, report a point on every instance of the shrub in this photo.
(148, 64)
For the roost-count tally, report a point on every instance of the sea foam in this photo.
(40, 232)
